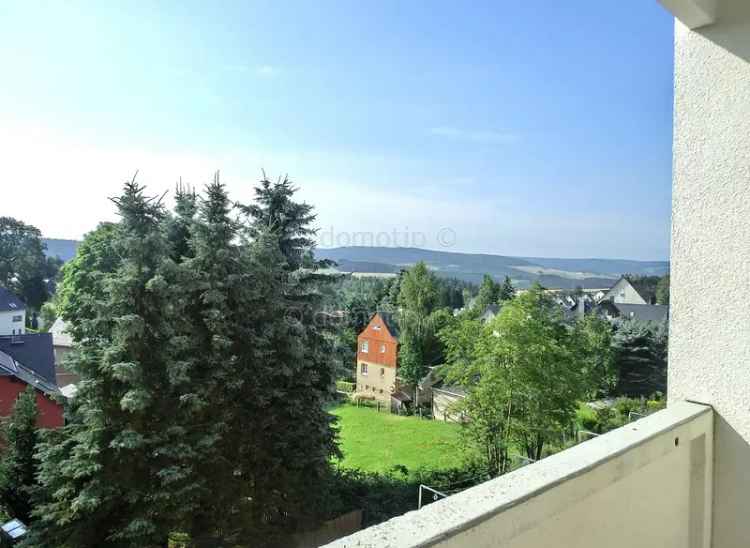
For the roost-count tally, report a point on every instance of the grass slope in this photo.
(376, 442)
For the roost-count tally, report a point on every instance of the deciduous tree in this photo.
(24, 268)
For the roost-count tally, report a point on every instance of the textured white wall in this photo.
(709, 355)
(7, 325)
(647, 484)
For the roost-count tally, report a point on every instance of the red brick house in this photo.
(28, 360)
(377, 358)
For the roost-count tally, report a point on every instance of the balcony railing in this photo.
(648, 483)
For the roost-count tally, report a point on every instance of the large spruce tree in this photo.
(296, 435)
(205, 365)
(112, 476)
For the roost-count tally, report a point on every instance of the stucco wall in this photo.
(709, 354)
(374, 383)
(8, 326)
(647, 484)
(444, 406)
(624, 293)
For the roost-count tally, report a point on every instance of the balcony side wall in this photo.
(709, 354)
(648, 483)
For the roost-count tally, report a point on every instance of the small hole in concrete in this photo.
(676, 442)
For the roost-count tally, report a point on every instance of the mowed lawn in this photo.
(376, 441)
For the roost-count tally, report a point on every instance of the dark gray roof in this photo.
(13, 368)
(9, 301)
(34, 351)
(401, 396)
(643, 312)
(450, 389)
(390, 322)
(490, 312)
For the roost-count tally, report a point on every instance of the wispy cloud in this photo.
(266, 70)
(485, 137)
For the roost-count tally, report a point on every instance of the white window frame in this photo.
(382, 349)
(365, 347)
(363, 369)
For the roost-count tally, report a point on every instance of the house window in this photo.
(365, 347)
(17, 318)
(382, 372)
(382, 349)
(376, 327)
(363, 368)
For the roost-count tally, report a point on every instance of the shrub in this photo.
(382, 496)
(586, 418)
(624, 406)
(345, 386)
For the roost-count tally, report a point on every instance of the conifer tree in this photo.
(255, 372)
(506, 290)
(217, 305)
(298, 374)
(275, 211)
(112, 477)
(178, 226)
(205, 370)
(18, 467)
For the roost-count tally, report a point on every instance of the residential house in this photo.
(445, 400)
(12, 314)
(679, 477)
(490, 312)
(643, 312)
(623, 292)
(62, 344)
(28, 360)
(377, 361)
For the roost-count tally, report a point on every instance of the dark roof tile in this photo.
(34, 351)
(9, 301)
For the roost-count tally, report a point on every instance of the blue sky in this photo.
(524, 128)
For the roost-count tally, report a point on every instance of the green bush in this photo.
(656, 405)
(586, 418)
(382, 496)
(624, 406)
(345, 386)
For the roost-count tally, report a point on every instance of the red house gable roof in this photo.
(378, 342)
(382, 321)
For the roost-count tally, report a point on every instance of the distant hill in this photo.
(604, 266)
(65, 249)
(550, 272)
